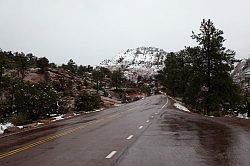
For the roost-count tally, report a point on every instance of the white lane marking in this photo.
(111, 154)
(156, 113)
(152, 116)
(164, 104)
(131, 136)
(147, 121)
(140, 127)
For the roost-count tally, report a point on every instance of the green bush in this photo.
(87, 102)
(19, 119)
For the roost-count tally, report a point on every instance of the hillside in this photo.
(33, 90)
(144, 61)
(241, 74)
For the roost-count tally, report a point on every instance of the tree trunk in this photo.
(173, 92)
(97, 87)
(248, 109)
(1, 72)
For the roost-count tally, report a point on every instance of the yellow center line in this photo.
(47, 139)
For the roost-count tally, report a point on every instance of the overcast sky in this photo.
(89, 31)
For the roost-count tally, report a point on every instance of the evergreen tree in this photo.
(86, 102)
(201, 75)
(71, 65)
(3, 64)
(81, 70)
(31, 59)
(43, 64)
(21, 63)
(116, 79)
(217, 62)
(174, 73)
(98, 78)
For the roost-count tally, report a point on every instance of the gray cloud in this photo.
(89, 31)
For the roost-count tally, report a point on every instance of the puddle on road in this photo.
(212, 141)
(216, 143)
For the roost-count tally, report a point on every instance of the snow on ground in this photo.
(20, 127)
(38, 123)
(118, 105)
(60, 117)
(55, 116)
(52, 115)
(5, 126)
(181, 107)
(243, 116)
(93, 111)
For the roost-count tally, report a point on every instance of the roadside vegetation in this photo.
(32, 88)
(200, 75)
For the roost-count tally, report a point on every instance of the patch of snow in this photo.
(52, 115)
(5, 126)
(60, 117)
(39, 123)
(93, 111)
(229, 115)
(242, 116)
(76, 114)
(118, 105)
(181, 107)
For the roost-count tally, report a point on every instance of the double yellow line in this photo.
(47, 139)
(44, 140)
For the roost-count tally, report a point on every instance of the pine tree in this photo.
(43, 64)
(21, 63)
(98, 77)
(116, 79)
(217, 62)
(71, 65)
(2, 64)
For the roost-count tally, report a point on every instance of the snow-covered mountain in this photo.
(241, 74)
(139, 61)
(142, 56)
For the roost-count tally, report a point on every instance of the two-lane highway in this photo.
(149, 132)
(95, 140)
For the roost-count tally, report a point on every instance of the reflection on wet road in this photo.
(181, 138)
(149, 132)
(215, 139)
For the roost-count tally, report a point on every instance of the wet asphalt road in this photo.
(143, 133)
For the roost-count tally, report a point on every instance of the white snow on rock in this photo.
(181, 107)
(144, 61)
(5, 126)
(60, 117)
(97, 110)
(242, 116)
(38, 123)
(118, 105)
